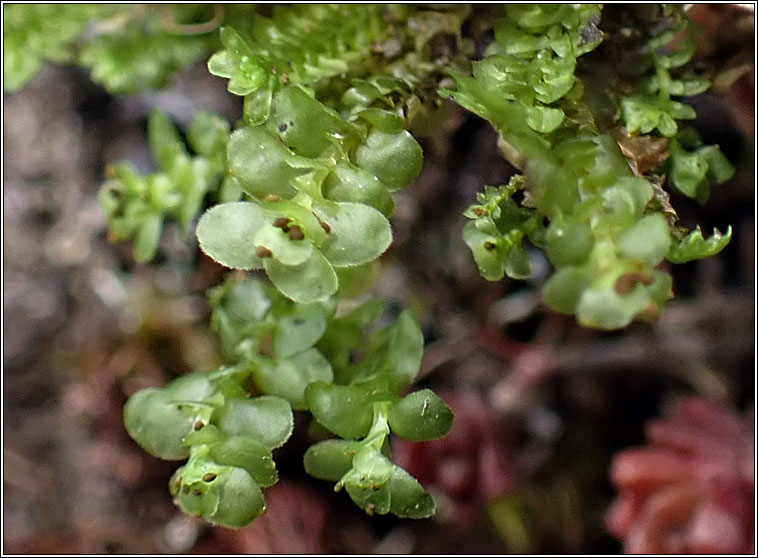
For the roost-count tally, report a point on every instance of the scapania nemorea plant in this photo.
(588, 106)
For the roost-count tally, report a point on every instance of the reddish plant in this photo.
(691, 490)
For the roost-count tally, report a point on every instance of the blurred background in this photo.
(542, 405)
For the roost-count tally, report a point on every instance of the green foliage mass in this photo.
(137, 206)
(34, 33)
(318, 163)
(594, 213)
(297, 355)
(290, 226)
(126, 47)
(227, 436)
(587, 101)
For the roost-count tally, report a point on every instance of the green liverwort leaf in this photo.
(402, 358)
(719, 168)
(407, 497)
(624, 202)
(344, 410)
(193, 495)
(395, 159)
(368, 494)
(366, 482)
(359, 234)
(691, 172)
(535, 16)
(164, 140)
(251, 455)
(667, 125)
(484, 248)
(695, 247)
(300, 215)
(190, 387)
(516, 41)
(227, 380)
(640, 113)
(330, 459)
(639, 189)
(283, 248)
(230, 190)
(563, 289)
(348, 183)
(260, 163)
(680, 111)
(363, 314)
(221, 494)
(148, 237)
(355, 281)
(303, 123)
(544, 119)
(203, 435)
(300, 329)
(690, 86)
(688, 172)
(257, 106)
(208, 134)
(552, 187)
(648, 240)
(310, 281)
(519, 264)
(422, 415)
(606, 309)
(240, 500)
(159, 423)
(247, 301)
(226, 233)
(288, 378)
(561, 45)
(195, 178)
(568, 242)
(245, 70)
(267, 419)
(383, 120)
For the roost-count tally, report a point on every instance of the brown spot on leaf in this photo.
(263, 252)
(324, 225)
(626, 282)
(650, 312)
(266, 346)
(296, 233)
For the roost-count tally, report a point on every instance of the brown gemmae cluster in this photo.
(691, 490)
